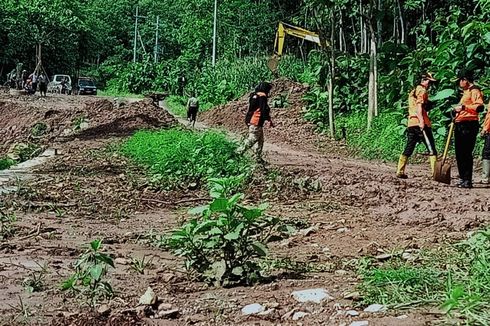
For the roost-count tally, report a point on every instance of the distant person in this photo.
(418, 123)
(34, 81)
(192, 109)
(182, 81)
(258, 113)
(466, 127)
(43, 84)
(485, 133)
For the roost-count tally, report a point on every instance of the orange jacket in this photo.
(471, 100)
(417, 96)
(486, 123)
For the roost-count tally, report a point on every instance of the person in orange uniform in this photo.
(258, 113)
(418, 123)
(485, 133)
(466, 127)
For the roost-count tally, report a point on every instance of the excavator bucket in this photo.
(273, 63)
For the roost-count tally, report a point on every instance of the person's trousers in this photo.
(255, 137)
(465, 134)
(415, 136)
(486, 148)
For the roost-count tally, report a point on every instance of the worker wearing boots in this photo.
(258, 113)
(419, 125)
(485, 133)
(466, 127)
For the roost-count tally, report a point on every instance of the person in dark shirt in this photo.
(258, 114)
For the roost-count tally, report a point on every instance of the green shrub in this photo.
(178, 158)
(5, 163)
(225, 243)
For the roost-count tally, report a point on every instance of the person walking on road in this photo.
(485, 133)
(419, 126)
(258, 113)
(43, 84)
(192, 109)
(466, 127)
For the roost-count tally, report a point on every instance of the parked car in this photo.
(60, 84)
(86, 85)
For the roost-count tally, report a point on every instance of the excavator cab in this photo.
(285, 29)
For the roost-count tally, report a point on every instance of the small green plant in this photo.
(7, 228)
(140, 264)
(280, 101)
(39, 129)
(77, 123)
(225, 243)
(5, 163)
(89, 277)
(36, 280)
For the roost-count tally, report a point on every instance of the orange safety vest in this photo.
(472, 98)
(417, 96)
(486, 123)
(255, 120)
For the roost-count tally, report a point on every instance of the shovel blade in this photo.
(442, 172)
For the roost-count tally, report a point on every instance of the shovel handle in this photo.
(448, 141)
(427, 142)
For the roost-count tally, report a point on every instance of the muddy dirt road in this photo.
(89, 192)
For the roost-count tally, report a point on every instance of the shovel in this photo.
(442, 171)
(427, 142)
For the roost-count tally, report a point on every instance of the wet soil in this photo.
(360, 209)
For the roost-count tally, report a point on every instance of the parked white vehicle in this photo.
(60, 84)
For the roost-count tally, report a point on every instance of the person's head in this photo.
(465, 79)
(264, 87)
(426, 79)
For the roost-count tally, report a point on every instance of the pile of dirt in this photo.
(42, 121)
(290, 126)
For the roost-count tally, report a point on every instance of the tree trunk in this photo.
(402, 23)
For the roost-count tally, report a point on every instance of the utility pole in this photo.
(135, 35)
(156, 41)
(214, 31)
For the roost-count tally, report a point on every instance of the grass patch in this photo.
(177, 158)
(456, 279)
(113, 93)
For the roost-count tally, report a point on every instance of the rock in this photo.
(408, 256)
(402, 317)
(121, 261)
(360, 323)
(104, 309)
(352, 313)
(342, 230)
(149, 298)
(267, 312)
(352, 295)
(164, 306)
(308, 231)
(375, 308)
(383, 256)
(288, 314)
(167, 277)
(142, 311)
(253, 309)
(299, 314)
(341, 272)
(172, 313)
(84, 125)
(311, 295)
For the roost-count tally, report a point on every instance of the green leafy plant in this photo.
(7, 228)
(39, 129)
(89, 277)
(225, 243)
(35, 282)
(140, 264)
(77, 123)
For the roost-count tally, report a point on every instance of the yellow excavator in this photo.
(285, 29)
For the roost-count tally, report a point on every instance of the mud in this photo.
(345, 208)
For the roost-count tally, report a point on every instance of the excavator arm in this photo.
(285, 29)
